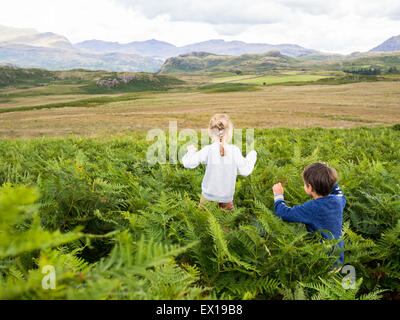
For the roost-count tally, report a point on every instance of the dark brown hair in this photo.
(321, 177)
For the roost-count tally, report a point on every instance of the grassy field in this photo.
(115, 227)
(232, 78)
(64, 103)
(270, 79)
(335, 106)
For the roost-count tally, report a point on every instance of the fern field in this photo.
(114, 227)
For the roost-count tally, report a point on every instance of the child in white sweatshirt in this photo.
(223, 162)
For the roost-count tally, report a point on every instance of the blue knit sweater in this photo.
(324, 213)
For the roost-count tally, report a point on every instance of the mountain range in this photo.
(29, 48)
(32, 49)
(159, 49)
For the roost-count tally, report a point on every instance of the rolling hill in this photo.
(208, 62)
(60, 59)
(80, 81)
(199, 62)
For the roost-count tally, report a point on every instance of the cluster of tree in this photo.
(372, 70)
(393, 70)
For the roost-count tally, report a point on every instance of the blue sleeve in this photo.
(299, 213)
(339, 193)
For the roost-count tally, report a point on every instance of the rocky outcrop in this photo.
(126, 78)
(108, 83)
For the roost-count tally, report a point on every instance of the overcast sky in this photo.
(340, 26)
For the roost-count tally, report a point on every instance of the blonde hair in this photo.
(220, 129)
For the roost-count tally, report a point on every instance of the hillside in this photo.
(383, 61)
(81, 81)
(208, 62)
(60, 59)
(390, 45)
(13, 76)
(199, 62)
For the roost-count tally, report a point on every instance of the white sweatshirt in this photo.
(220, 177)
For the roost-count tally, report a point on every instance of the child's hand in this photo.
(277, 188)
(191, 147)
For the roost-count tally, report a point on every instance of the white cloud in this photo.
(331, 25)
(260, 11)
(214, 12)
(99, 19)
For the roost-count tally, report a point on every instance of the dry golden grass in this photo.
(41, 100)
(336, 106)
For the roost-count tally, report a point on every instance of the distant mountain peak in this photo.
(9, 33)
(31, 37)
(390, 45)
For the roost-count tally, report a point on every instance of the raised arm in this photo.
(192, 158)
(246, 165)
(299, 213)
(296, 214)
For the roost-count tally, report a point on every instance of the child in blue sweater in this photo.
(325, 212)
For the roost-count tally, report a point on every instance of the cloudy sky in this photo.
(341, 26)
